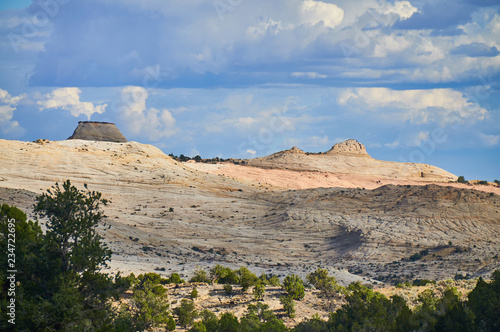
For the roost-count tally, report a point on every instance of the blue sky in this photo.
(415, 81)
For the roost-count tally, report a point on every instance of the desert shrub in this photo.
(224, 275)
(228, 289)
(497, 182)
(483, 182)
(194, 293)
(258, 291)
(288, 305)
(186, 313)
(200, 275)
(314, 324)
(461, 179)
(246, 279)
(175, 278)
(198, 327)
(321, 281)
(228, 323)
(209, 320)
(294, 286)
(274, 281)
(423, 282)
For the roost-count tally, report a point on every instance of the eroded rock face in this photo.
(98, 131)
(351, 146)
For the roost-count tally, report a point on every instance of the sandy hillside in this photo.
(166, 214)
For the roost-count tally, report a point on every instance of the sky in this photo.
(414, 81)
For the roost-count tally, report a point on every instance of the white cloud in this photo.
(402, 8)
(443, 106)
(314, 12)
(8, 105)
(69, 99)
(310, 75)
(390, 44)
(252, 152)
(142, 121)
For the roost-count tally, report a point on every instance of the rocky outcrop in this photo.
(350, 157)
(98, 131)
(351, 147)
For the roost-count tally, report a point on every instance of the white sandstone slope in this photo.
(350, 157)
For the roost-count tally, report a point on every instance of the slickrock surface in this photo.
(98, 131)
(350, 157)
(169, 214)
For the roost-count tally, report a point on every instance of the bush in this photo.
(246, 279)
(274, 281)
(461, 179)
(175, 278)
(223, 275)
(321, 281)
(288, 305)
(228, 289)
(200, 276)
(194, 293)
(186, 313)
(258, 291)
(483, 182)
(497, 182)
(228, 323)
(423, 282)
(294, 286)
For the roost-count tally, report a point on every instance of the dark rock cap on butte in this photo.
(98, 131)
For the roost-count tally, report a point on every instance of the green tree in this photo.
(461, 179)
(194, 293)
(484, 301)
(61, 286)
(246, 279)
(200, 275)
(224, 275)
(175, 278)
(149, 306)
(258, 291)
(209, 319)
(73, 216)
(186, 313)
(228, 323)
(228, 289)
(288, 305)
(323, 282)
(294, 286)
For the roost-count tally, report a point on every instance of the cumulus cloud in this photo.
(8, 105)
(442, 106)
(142, 121)
(69, 99)
(314, 12)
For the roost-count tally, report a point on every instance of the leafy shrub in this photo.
(185, 312)
(200, 275)
(246, 279)
(194, 293)
(258, 291)
(294, 286)
(175, 278)
(461, 179)
(228, 289)
(288, 305)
